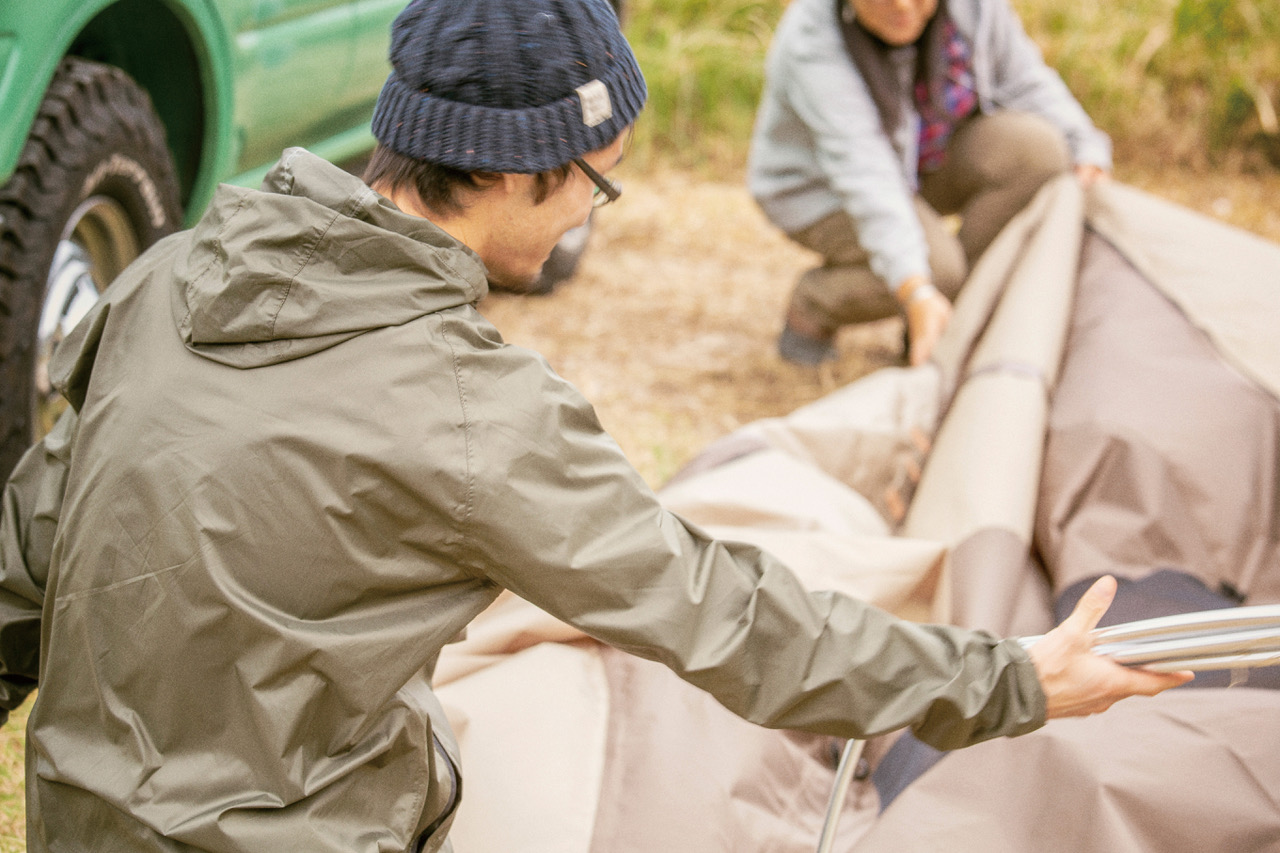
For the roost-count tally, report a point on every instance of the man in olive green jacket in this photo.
(299, 462)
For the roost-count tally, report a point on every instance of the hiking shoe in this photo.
(802, 349)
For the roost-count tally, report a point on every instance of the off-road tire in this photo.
(95, 144)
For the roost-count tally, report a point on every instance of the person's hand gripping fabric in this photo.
(927, 313)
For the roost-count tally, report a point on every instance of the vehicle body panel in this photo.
(253, 76)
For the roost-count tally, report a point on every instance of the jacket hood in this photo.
(311, 259)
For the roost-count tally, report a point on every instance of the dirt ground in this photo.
(669, 326)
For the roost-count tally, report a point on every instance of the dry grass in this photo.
(13, 835)
(1245, 199)
(669, 325)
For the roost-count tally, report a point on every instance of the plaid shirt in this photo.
(959, 99)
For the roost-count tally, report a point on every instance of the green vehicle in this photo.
(122, 116)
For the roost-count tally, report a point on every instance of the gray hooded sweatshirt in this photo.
(819, 147)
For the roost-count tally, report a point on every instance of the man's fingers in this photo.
(1092, 606)
(1076, 681)
(1150, 683)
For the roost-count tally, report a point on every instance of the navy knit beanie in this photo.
(507, 85)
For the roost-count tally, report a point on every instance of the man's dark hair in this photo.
(437, 186)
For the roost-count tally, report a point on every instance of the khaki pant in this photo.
(995, 164)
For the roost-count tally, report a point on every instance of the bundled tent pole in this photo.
(1232, 638)
(844, 776)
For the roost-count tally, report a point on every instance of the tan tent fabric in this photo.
(1226, 281)
(1181, 772)
(984, 471)
(582, 748)
(1148, 422)
(535, 726)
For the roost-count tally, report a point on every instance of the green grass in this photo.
(1197, 81)
(704, 63)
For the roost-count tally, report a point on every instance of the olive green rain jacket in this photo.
(303, 462)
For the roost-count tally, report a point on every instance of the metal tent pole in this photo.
(844, 776)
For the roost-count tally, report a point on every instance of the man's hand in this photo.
(928, 313)
(1077, 682)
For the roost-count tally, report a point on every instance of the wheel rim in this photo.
(98, 242)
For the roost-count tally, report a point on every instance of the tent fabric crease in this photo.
(1106, 400)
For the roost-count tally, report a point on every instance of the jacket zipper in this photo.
(455, 796)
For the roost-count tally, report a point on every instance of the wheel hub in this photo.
(97, 244)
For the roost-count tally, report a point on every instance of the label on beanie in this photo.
(596, 107)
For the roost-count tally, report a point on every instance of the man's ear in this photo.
(517, 185)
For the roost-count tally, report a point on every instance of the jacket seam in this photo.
(310, 252)
(218, 253)
(468, 454)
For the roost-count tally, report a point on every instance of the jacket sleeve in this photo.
(561, 518)
(1020, 80)
(28, 522)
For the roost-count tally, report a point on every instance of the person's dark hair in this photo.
(870, 55)
(437, 187)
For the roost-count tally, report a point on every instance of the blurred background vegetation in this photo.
(1193, 82)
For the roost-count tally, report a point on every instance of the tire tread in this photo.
(88, 109)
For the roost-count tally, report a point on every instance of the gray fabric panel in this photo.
(1158, 454)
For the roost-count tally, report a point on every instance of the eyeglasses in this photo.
(606, 190)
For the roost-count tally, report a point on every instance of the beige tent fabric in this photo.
(684, 775)
(1226, 281)
(1188, 483)
(1189, 770)
(1036, 253)
(1159, 455)
(570, 746)
(984, 470)
(534, 730)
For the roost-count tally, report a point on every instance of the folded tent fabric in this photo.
(982, 544)
(1158, 465)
